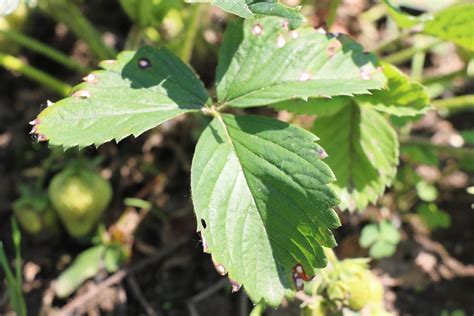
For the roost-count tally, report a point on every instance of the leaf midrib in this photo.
(242, 96)
(229, 138)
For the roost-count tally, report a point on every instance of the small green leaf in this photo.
(369, 235)
(382, 249)
(363, 153)
(454, 24)
(468, 136)
(401, 98)
(262, 202)
(262, 62)
(85, 266)
(426, 191)
(133, 94)
(259, 8)
(402, 19)
(419, 155)
(432, 216)
(389, 233)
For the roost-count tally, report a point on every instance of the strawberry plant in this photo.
(251, 175)
(263, 190)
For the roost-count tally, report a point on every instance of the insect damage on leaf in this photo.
(144, 63)
(261, 63)
(300, 276)
(263, 190)
(90, 78)
(257, 29)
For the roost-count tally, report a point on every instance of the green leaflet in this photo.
(259, 8)
(315, 106)
(137, 92)
(404, 20)
(262, 202)
(86, 265)
(401, 98)
(262, 62)
(454, 24)
(363, 153)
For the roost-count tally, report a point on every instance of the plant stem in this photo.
(17, 65)
(455, 104)
(190, 34)
(445, 77)
(406, 54)
(374, 13)
(43, 49)
(16, 236)
(443, 150)
(67, 12)
(258, 309)
(384, 45)
(134, 38)
(417, 65)
(332, 14)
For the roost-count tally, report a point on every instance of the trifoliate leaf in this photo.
(454, 24)
(262, 62)
(381, 239)
(401, 98)
(262, 202)
(259, 8)
(131, 95)
(363, 153)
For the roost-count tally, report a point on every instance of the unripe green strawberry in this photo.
(80, 196)
(35, 214)
(364, 288)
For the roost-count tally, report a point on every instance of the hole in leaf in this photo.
(144, 63)
(203, 223)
